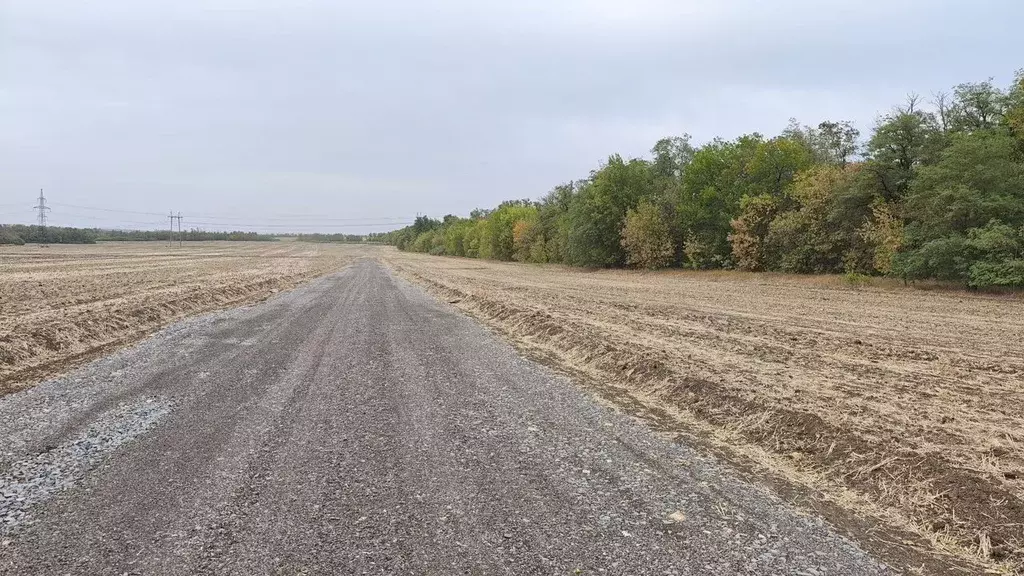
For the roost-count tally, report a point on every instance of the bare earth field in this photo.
(896, 404)
(68, 303)
(901, 406)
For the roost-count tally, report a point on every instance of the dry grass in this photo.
(903, 404)
(66, 303)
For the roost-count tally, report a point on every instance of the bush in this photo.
(497, 236)
(884, 233)
(856, 279)
(646, 237)
(423, 242)
(942, 259)
(750, 230)
(701, 254)
(455, 237)
(1008, 274)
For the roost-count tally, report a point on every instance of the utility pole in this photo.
(42, 208)
(179, 229)
(170, 235)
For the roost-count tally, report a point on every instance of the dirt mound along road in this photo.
(68, 303)
(904, 405)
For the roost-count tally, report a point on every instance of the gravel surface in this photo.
(357, 426)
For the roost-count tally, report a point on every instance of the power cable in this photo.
(247, 219)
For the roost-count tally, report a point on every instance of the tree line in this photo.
(192, 235)
(19, 234)
(339, 238)
(935, 191)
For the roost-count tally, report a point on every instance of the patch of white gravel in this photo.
(32, 480)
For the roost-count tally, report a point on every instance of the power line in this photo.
(117, 221)
(106, 209)
(293, 226)
(312, 223)
(94, 218)
(310, 217)
(280, 217)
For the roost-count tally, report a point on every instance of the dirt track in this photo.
(64, 304)
(357, 426)
(898, 403)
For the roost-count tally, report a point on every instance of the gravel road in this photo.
(357, 426)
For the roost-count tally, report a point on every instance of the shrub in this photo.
(423, 242)
(1008, 274)
(750, 230)
(646, 237)
(884, 233)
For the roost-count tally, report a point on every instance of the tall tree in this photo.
(713, 185)
(977, 106)
(839, 141)
(596, 217)
(671, 155)
(902, 141)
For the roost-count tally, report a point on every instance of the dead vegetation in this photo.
(900, 404)
(67, 303)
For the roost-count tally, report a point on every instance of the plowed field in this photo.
(900, 404)
(67, 303)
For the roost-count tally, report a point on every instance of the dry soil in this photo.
(64, 304)
(900, 404)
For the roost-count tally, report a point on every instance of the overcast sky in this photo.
(267, 111)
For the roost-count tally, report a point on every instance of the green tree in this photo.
(709, 198)
(976, 106)
(979, 177)
(902, 142)
(829, 143)
(839, 141)
(526, 232)
(671, 156)
(455, 237)
(719, 178)
(553, 219)
(474, 238)
(1014, 117)
(497, 241)
(822, 231)
(597, 213)
(423, 242)
(958, 207)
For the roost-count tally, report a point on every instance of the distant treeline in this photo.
(344, 238)
(193, 235)
(21, 234)
(935, 192)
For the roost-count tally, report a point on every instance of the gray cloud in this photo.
(260, 108)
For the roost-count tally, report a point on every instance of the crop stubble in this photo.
(67, 303)
(903, 404)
